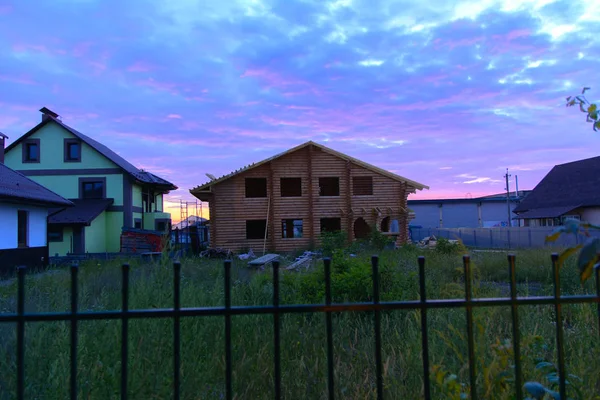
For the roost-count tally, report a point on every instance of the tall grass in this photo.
(303, 352)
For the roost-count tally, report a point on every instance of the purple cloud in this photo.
(449, 96)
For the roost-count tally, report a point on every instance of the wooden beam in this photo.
(271, 211)
(349, 201)
(212, 215)
(311, 217)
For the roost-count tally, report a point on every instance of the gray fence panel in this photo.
(501, 238)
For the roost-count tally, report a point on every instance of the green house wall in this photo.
(64, 247)
(105, 231)
(52, 152)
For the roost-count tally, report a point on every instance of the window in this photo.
(331, 224)
(31, 151)
(256, 187)
(291, 187)
(137, 224)
(362, 185)
(55, 233)
(22, 228)
(291, 228)
(255, 229)
(329, 186)
(161, 226)
(92, 190)
(72, 150)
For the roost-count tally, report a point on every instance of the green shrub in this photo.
(331, 241)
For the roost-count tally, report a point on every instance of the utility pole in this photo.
(506, 176)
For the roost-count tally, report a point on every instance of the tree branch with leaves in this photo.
(588, 258)
(591, 109)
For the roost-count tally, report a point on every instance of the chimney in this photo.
(47, 113)
(2, 139)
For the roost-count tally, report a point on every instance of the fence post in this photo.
(378, 362)
(559, 328)
(124, 329)
(515, 325)
(21, 333)
(424, 329)
(74, 298)
(276, 330)
(508, 236)
(176, 329)
(474, 237)
(330, 361)
(228, 366)
(470, 338)
(529, 234)
(491, 237)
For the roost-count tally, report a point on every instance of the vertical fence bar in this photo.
(424, 329)
(515, 325)
(474, 238)
(21, 333)
(597, 268)
(378, 362)
(559, 328)
(276, 330)
(228, 364)
(508, 235)
(529, 235)
(328, 320)
(470, 341)
(74, 298)
(124, 329)
(176, 330)
(491, 238)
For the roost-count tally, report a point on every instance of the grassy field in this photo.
(304, 374)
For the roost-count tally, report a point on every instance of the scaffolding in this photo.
(184, 211)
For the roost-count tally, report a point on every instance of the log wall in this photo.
(230, 208)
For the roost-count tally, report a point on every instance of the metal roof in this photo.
(17, 187)
(140, 175)
(415, 185)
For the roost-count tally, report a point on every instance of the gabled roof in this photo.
(574, 184)
(140, 175)
(415, 185)
(17, 187)
(84, 212)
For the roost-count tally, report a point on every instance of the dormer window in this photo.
(31, 151)
(72, 150)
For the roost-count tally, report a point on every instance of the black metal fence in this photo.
(376, 307)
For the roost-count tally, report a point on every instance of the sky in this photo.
(448, 93)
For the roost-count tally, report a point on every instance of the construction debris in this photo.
(431, 242)
(245, 256)
(261, 261)
(304, 260)
(216, 253)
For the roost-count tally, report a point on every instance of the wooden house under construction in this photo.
(285, 202)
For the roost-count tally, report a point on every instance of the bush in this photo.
(331, 241)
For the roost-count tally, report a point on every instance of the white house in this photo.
(24, 209)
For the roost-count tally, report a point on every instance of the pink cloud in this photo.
(174, 116)
(24, 80)
(140, 66)
(81, 49)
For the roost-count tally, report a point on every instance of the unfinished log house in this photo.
(283, 203)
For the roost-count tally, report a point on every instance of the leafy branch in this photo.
(591, 109)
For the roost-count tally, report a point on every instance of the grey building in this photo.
(480, 212)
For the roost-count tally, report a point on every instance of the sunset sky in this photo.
(447, 93)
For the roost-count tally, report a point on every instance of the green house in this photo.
(109, 193)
